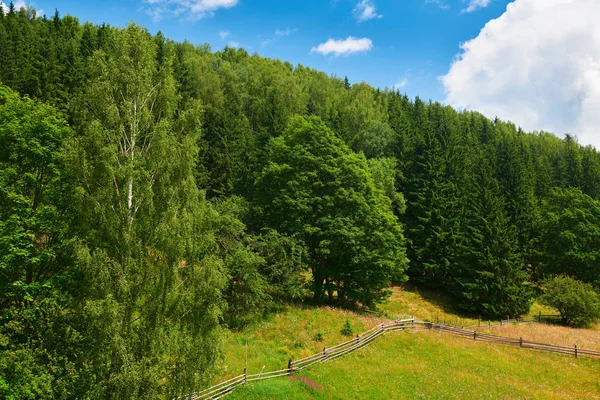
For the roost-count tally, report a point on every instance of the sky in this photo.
(533, 62)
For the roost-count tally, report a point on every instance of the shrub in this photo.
(577, 302)
(319, 337)
(347, 329)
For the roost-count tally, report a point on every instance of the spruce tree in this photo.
(490, 278)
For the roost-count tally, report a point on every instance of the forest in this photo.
(155, 193)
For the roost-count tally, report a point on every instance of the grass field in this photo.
(584, 338)
(419, 364)
(433, 365)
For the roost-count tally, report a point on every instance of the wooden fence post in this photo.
(324, 352)
(575, 351)
(474, 335)
(358, 338)
(520, 342)
(290, 366)
(245, 375)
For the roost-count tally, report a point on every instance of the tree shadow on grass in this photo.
(437, 297)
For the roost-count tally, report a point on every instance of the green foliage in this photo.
(570, 235)
(30, 192)
(316, 188)
(285, 262)
(577, 302)
(162, 191)
(246, 292)
(319, 336)
(491, 279)
(386, 176)
(347, 329)
(33, 248)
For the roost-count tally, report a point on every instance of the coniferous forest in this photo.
(154, 193)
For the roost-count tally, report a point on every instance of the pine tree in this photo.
(490, 277)
(432, 207)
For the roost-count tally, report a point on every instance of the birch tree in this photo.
(152, 276)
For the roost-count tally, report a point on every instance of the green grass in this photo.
(434, 365)
(418, 364)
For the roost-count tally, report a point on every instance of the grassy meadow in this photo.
(420, 364)
(434, 365)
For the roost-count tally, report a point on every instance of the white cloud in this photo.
(191, 9)
(537, 65)
(440, 3)
(365, 10)
(475, 4)
(18, 5)
(233, 43)
(401, 84)
(347, 46)
(223, 35)
(285, 32)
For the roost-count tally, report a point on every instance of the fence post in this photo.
(290, 366)
(520, 342)
(474, 335)
(324, 352)
(413, 320)
(358, 338)
(245, 375)
(575, 351)
(540, 317)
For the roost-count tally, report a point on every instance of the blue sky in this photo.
(413, 41)
(533, 62)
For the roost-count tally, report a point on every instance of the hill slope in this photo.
(423, 364)
(408, 364)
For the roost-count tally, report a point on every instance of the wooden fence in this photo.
(328, 354)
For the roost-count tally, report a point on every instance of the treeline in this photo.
(153, 192)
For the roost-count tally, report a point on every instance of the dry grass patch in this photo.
(552, 334)
(423, 304)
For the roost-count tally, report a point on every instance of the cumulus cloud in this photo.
(233, 43)
(345, 47)
(191, 9)
(18, 5)
(365, 10)
(223, 35)
(476, 4)
(537, 65)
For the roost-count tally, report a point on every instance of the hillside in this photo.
(163, 204)
(409, 364)
(430, 365)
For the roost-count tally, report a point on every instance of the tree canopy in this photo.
(154, 193)
(315, 187)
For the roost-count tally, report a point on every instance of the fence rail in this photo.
(360, 341)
